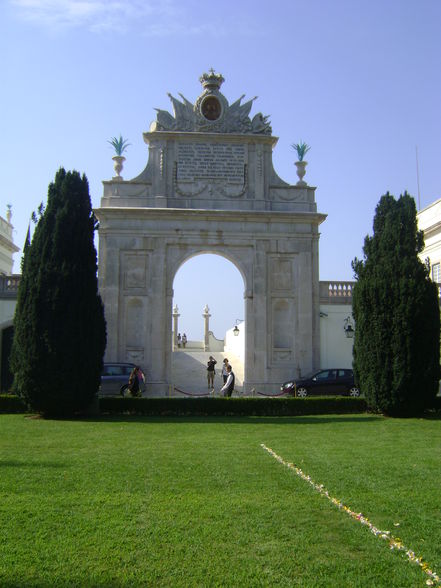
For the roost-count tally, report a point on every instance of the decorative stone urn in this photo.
(118, 166)
(301, 171)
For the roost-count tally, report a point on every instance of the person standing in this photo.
(228, 387)
(141, 379)
(135, 375)
(184, 340)
(179, 339)
(224, 370)
(211, 371)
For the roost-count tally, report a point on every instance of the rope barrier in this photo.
(209, 393)
(190, 394)
(272, 395)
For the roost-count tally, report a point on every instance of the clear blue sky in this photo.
(357, 80)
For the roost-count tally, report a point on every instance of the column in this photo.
(206, 316)
(175, 315)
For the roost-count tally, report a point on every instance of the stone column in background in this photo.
(206, 316)
(175, 315)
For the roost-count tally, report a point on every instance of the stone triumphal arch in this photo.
(209, 186)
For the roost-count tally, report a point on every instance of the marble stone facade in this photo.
(7, 245)
(429, 221)
(209, 187)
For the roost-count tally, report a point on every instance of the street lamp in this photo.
(349, 327)
(236, 328)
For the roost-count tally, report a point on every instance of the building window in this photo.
(436, 273)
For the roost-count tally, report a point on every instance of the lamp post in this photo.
(236, 328)
(349, 327)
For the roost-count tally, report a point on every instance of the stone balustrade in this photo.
(330, 292)
(341, 292)
(9, 286)
(336, 292)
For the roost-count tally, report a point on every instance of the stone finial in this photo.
(118, 166)
(9, 213)
(175, 309)
(206, 309)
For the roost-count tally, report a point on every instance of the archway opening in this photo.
(208, 306)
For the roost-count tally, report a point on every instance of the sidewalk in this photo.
(189, 371)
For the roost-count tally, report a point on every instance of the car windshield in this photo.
(323, 374)
(308, 376)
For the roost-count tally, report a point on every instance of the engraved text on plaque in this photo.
(198, 161)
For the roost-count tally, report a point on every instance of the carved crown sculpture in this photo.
(211, 80)
(211, 112)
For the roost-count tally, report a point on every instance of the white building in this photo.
(7, 246)
(8, 296)
(429, 221)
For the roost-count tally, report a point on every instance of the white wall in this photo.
(429, 221)
(214, 344)
(335, 347)
(7, 247)
(7, 310)
(235, 344)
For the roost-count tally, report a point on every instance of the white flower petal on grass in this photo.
(394, 542)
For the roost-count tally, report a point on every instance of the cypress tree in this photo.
(59, 325)
(396, 311)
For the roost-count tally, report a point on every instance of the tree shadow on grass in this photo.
(433, 415)
(239, 420)
(15, 463)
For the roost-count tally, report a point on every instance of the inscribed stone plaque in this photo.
(135, 320)
(135, 270)
(282, 274)
(200, 161)
(282, 323)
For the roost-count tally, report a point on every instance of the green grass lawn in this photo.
(198, 502)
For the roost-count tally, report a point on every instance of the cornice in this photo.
(432, 229)
(255, 216)
(152, 136)
(8, 244)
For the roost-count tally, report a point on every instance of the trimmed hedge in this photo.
(10, 403)
(232, 406)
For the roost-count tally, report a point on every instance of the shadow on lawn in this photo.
(432, 415)
(14, 463)
(236, 420)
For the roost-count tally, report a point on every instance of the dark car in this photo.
(330, 381)
(115, 378)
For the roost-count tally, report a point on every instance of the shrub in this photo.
(59, 328)
(395, 306)
(10, 403)
(232, 406)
